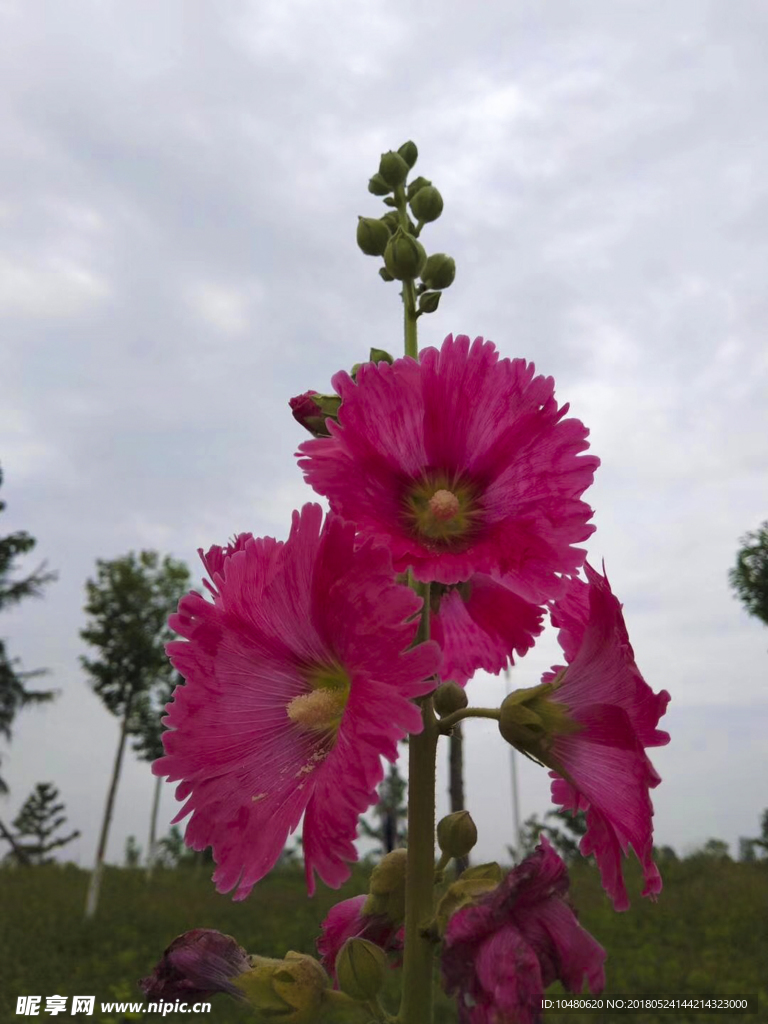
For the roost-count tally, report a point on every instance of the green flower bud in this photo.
(378, 187)
(393, 168)
(456, 834)
(530, 720)
(361, 969)
(429, 301)
(450, 697)
(312, 410)
(409, 153)
(427, 204)
(439, 271)
(415, 185)
(387, 888)
(392, 220)
(385, 275)
(372, 236)
(289, 991)
(378, 355)
(404, 256)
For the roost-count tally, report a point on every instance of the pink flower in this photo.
(461, 462)
(346, 920)
(298, 679)
(196, 965)
(478, 624)
(605, 770)
(503, 950)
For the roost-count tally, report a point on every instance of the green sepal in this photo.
(385, 275)
(472, 883)
(378, 355)
(429, 301)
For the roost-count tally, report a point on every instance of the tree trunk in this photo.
(456, 780)
(152, 847)
(19, 853)
(94, 886)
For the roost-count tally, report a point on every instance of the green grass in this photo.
(707, 934)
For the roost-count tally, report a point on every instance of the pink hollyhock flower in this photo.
(503, 950)
(478, 624)
(462, 462)
(196, 965)
(601, 715)
(298, 678)
(346, 920)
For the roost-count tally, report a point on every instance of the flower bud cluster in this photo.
(395, 235)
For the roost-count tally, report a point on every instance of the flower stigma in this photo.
(442, 510)
(321, 709)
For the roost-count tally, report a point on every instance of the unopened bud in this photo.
(387, 887)
(427, 204)
(361, 969)
(378, 355)
(378, 187)
(311, 410)
(392, 220)
(449, 697)
(415, 185)
(404, 256)
(409, 153)
(393, 168)
(439, 271)
(429, 301)
(456, 834)
(372, 236)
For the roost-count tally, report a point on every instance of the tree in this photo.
(391, 812)
(14, 694)
(132, 852)
(128, 605)
(749, 577)
(36, 826)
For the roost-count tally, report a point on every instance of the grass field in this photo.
(708, 934)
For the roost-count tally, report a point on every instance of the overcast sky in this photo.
(179, 188)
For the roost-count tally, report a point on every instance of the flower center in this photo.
(441, 509)
(444, 505)
(322, 708)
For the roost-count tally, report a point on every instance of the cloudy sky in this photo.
(179, 188)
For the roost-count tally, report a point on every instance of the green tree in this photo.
(128, 604)
(749, 577)
(14, 694)
(391, 828)
(36, 824)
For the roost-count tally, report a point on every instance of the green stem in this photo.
(416, 1006)
(447, 723)
(409, 286)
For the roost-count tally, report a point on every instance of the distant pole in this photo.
(513, 777)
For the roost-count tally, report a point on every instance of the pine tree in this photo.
(128, 605)
(36, 824)
(391, 812)
(14, 694)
